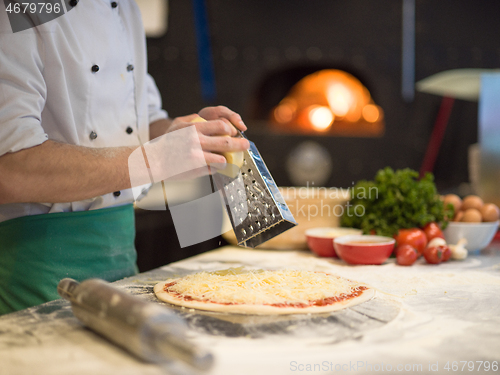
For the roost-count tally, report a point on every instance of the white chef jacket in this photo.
(79, 79)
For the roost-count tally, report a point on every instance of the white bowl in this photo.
(478, 235)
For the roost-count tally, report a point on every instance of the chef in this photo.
(75, 101)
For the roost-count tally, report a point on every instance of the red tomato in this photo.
(406, 255)
(414, 237)
(432, 230)
(446, 252)
(433, 255)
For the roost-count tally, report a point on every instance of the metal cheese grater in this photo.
(254, 204)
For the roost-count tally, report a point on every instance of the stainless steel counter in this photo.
(423, 318)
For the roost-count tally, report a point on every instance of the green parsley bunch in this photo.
(395, 200)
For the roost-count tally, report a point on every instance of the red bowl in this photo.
(320, 240)
(364, 249)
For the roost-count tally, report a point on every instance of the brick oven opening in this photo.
(329, 102)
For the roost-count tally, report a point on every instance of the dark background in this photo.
(261, 48)
(255, 40)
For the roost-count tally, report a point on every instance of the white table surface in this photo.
(424, 318)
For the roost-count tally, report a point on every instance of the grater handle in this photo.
(150, 331)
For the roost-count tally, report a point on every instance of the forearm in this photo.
(159, 127)
(54, 172)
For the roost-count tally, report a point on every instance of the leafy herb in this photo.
(395, 200)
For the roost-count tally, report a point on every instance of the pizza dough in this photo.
(263, 292)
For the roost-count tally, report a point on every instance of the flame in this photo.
(371, 113)
(320, 117)
(340, 98)
(285, 111)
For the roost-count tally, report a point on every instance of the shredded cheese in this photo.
(238, 286)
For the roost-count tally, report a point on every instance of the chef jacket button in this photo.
(95, 68)
(130, 67)
(129, 130)
(73, 3)
(114, 4)
(117, 193)
(92, 135)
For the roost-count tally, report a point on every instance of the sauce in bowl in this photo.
(367, 242)
(364, 249)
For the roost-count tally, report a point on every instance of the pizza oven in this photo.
(305, 111)
(330, 102)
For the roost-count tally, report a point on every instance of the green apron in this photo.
(36, 252)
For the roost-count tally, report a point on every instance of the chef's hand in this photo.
(213, 134)
(223, 113)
